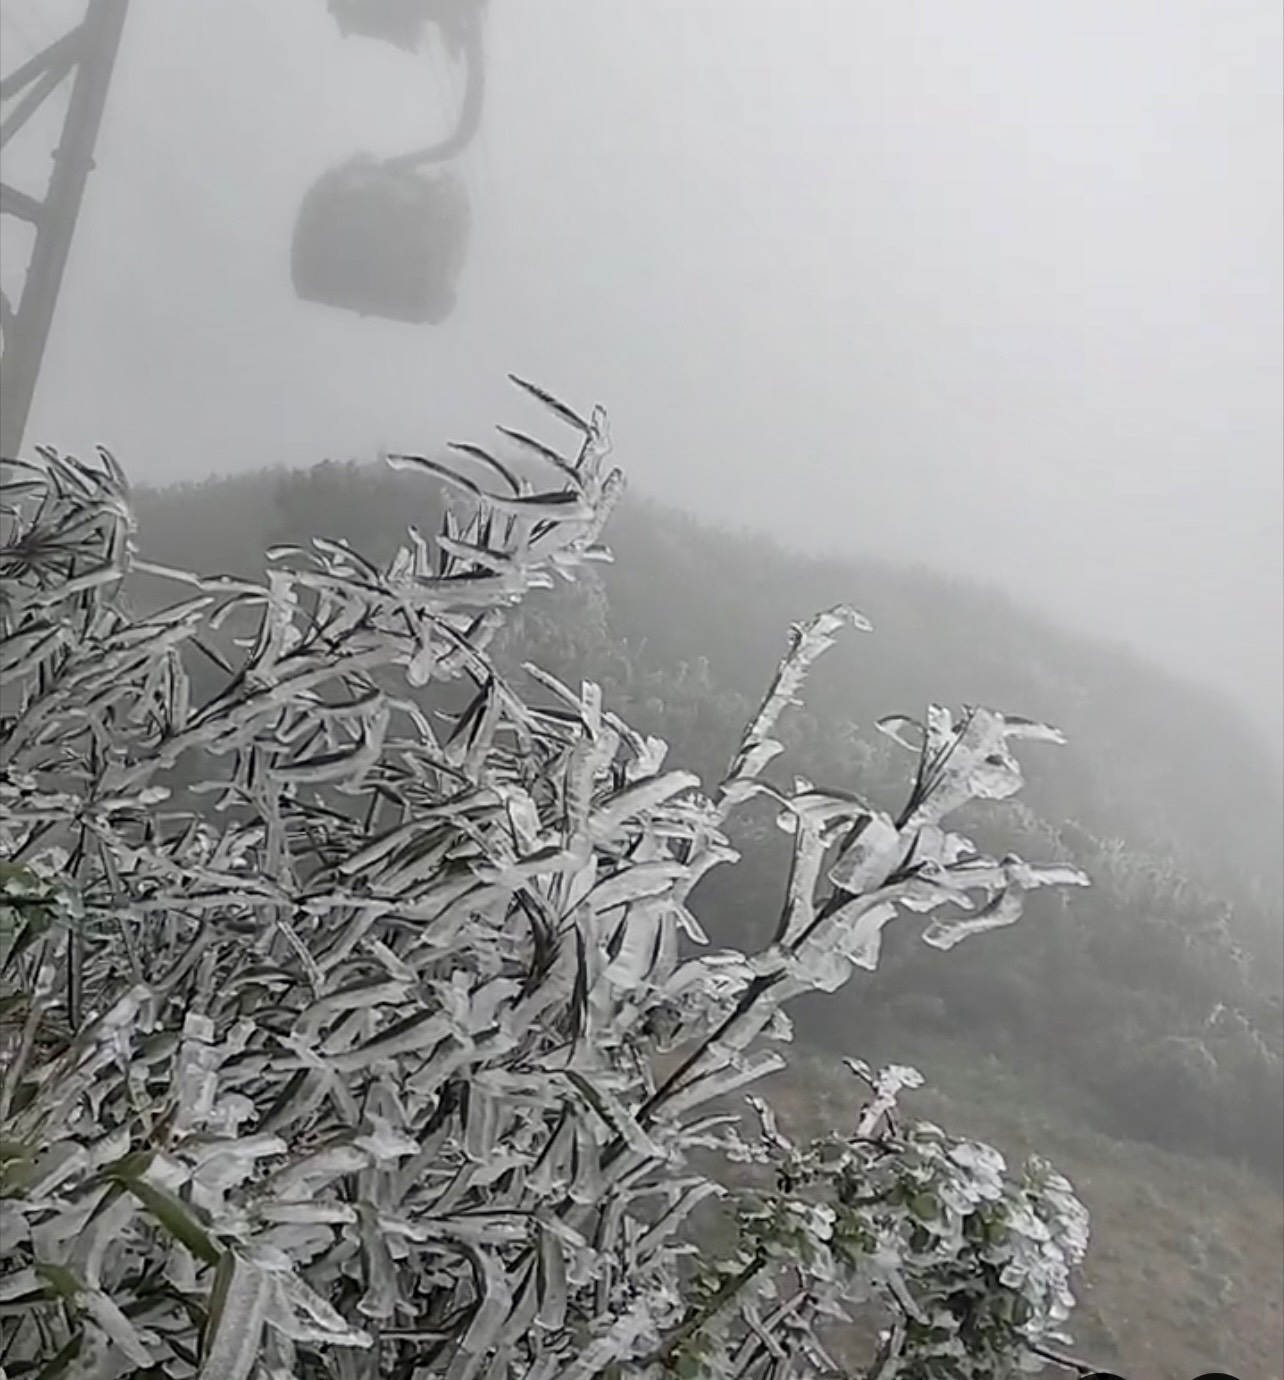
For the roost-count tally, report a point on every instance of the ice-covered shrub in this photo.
(347, 1062)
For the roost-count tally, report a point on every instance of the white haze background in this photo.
(866, 275)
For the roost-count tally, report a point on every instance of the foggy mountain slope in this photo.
(997, 284)
(1160, 763)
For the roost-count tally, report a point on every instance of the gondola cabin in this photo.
(382, 240)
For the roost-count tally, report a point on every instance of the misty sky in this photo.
(993, 286)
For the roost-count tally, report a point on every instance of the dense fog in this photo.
(993, 287)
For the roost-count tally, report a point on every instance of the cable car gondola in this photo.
(389, 237)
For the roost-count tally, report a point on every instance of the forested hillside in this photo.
(1155, 995)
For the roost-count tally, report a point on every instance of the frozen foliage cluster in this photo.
(356, 1022)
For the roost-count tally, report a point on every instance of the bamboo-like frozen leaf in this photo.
(946, 931)
(361, 996)
(313, 1171)
(421, 1031)
(106, 1228)
(481, 1122)
(1014, 726)
(19, 1284)
(905, 732)
(636, 800)
(616, 1115)
(482, 736)
(307, 1213)
(228, 1162)
(444, 473)
(721, 1082)
(679, 1210)
(81, 584)
(560, 505)
(639, 949)
(809, 639)
(490, 461)
(558, 409)
(492, 1309)
(536, 447)
(551, 683)
(235, 1326)
(382, 1293)
(861, 941)
(871, 851)
(487, 558)
(586, 1182)
(108, 1315)
(551, 1282)
(304, 1316)
(21, 652)
(1029, 876)
(804, 869)
(175, 1217)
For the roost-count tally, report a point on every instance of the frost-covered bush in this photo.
(351, 1064)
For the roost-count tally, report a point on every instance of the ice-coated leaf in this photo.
(639, 949)
(676, 1214)
(307, 1213)
(538, 448)
(635, 882)
(720, 1082)
(770, 1127)
(906, 732)
(490, 461)
(861, 940)
(636, 800)
(615, 1115)
(19, 1284)
(552, 1281)
(492, 1309)
(304, 1316)
(313, 1171)
(946, 931)
(558, 409)
(421, 1031)
(869, 854)
(383, 1141)
(238, 1308)
(808, 640)
(1029, 876)
(108, 1315)
(107, 1226)
(1016, 727)
(481, 1123)
(175, 1217)
(363, 995)
(800, 898)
